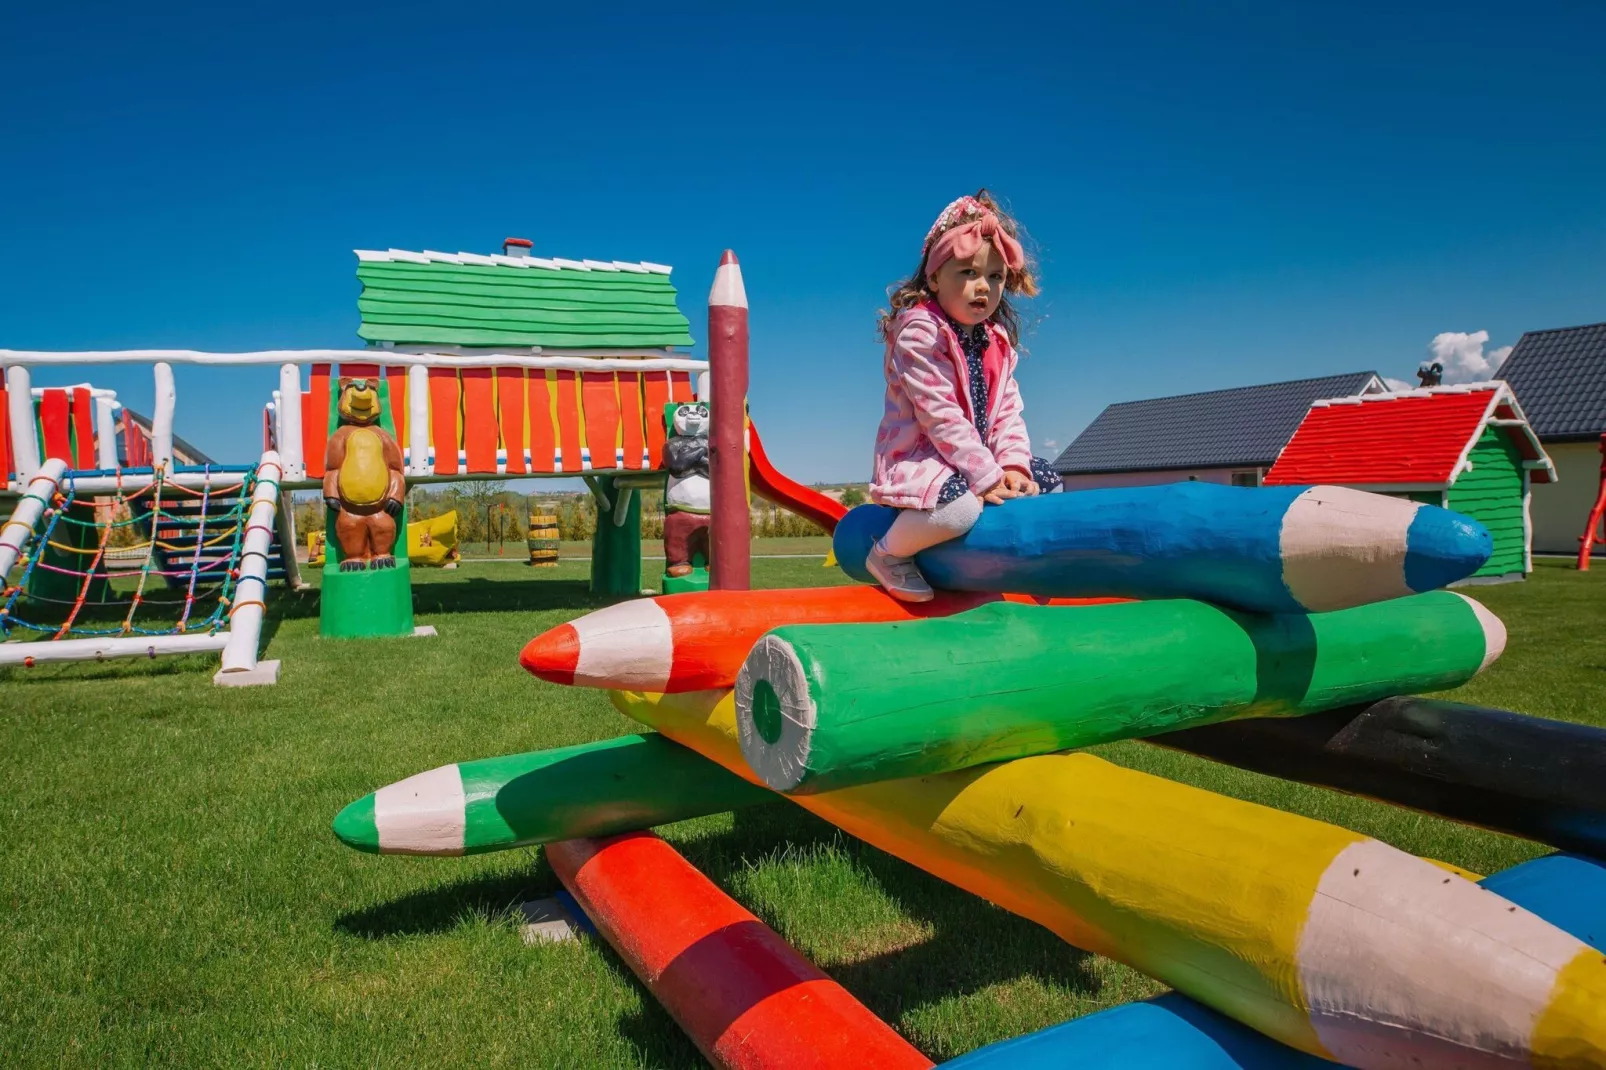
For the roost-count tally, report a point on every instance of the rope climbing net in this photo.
(194, 540)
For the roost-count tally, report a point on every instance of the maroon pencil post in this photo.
(731, 526)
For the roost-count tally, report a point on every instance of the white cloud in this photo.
(1051, 444)
(1464, 358)
(1397, 385)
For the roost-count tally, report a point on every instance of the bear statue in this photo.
(363, 480)
(686, 494)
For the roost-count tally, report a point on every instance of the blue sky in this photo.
(1219, 193)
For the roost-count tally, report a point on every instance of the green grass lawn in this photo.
(170, 892)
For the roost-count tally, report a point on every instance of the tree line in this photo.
(489, 513)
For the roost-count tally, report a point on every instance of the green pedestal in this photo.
(54, 588)
(616, 549)
(373, 603)
(696, 580)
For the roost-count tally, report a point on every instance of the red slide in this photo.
(787, 493)
(1592, 534)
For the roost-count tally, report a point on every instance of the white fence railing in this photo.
(285, 409)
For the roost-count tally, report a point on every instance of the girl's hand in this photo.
(1022, 485)
(998, 493)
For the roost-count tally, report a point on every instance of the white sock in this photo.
(916, 529)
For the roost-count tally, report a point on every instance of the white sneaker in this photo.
(899, 576)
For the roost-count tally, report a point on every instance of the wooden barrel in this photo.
(543, 541)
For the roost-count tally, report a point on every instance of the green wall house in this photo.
(1468, 448)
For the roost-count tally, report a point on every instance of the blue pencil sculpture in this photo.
(1264, 549)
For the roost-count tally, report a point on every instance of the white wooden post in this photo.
(1527, 524)
(110, 646)
(162, 418)
(289, 399)
(14, 534)
(251, 591)
(24, 432)
(418, 421)
(105, 433)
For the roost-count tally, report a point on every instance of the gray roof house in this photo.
(1219, 436)
(1559, 376)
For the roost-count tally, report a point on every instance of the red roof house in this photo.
(1468, 448)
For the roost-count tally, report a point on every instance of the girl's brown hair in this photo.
(917, 288)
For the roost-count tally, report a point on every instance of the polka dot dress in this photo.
(974, 342)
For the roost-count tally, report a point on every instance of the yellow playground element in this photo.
(431, 543)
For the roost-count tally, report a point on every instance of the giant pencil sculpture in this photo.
(1545, 780)
(1566, 890)
(730, 520)
(1541, 779)
(1321, 938)
(823, 707)
(745, 997)
(1169, 1033)
(694, 642)
(1175, 1033)
(594, 789)
(1268, 549)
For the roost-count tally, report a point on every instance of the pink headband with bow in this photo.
(963, 239)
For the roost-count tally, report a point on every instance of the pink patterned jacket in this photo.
(927, 432)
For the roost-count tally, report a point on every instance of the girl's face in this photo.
(969, 290)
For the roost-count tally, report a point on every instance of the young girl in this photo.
(952, 437)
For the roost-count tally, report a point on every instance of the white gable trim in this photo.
(523, 263)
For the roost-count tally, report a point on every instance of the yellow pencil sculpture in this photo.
(1322, 938)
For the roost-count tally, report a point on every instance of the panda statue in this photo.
(686, 495)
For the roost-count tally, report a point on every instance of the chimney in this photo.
(517, 246)
(1430, 374)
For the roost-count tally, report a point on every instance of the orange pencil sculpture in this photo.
(743, 995)
(698, 641)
